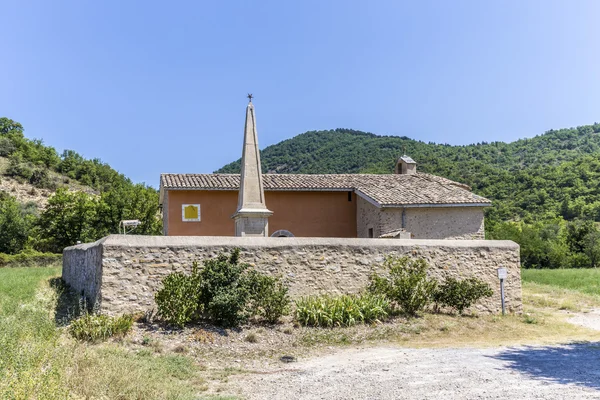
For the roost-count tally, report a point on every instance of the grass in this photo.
(581, 280)
(98, 327)
(39, 360)
(344, 310)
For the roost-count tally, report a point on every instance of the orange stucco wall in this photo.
(305, 214)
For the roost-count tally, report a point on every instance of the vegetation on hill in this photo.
(545, 189)
(69, 216)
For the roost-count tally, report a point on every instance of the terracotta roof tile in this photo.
(386, 190)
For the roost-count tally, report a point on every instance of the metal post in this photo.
(502, 295)
(502, 274)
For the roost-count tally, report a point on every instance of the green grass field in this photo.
(582, 280)
(38, 360)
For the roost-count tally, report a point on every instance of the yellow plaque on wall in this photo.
(190, 212)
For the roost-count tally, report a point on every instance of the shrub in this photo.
(407, 284)
(95, 327)
(178, 299)
(225, 292)
(30, 258)
(19, 169)
(41, 179)
(345, 310)
(461, 294)
(268, 296)
(7, 147)
(222, 293)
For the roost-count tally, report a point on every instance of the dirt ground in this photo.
(570, 371)
(435, 357)
(536, 372)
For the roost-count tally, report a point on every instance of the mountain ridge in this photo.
(527, 179)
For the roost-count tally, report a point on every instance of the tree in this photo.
(592, 247)
(68, 218)
(14, 225)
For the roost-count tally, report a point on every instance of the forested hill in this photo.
(554, 174)
(68, 198)
(545, 190)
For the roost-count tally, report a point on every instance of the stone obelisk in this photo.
(252, 215)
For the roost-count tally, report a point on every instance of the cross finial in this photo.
(404, 149)
(250, 97)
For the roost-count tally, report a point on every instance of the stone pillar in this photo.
(251, 217)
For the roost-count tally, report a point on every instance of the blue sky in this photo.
(153, 87)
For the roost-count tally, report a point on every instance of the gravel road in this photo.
(537, 372)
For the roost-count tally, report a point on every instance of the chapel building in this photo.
(404, 204)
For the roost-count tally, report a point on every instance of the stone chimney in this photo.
(406, 166)
(251, 217)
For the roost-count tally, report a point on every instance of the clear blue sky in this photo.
(153, 87)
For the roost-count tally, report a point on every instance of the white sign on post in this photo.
(502, 273)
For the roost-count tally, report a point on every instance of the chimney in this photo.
(406, 166)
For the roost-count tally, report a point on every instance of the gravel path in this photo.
(536, 372)
(590, 319)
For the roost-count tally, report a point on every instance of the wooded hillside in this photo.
(545, 189)
(68, 199)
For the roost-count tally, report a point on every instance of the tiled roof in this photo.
(385, 190)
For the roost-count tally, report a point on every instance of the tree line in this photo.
(541, 188)
(70, 216)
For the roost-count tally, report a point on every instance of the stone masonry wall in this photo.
(422, 223)
(367, 216)
(132, 267)
(82, 269)
(437, 223)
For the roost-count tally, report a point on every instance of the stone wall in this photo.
(122, 273)
(437, 222)
(82, 269)
(367, 216)
(422, 223)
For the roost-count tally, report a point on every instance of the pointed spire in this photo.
(252, 213)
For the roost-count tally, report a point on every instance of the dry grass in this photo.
(39, 360)
(44, 362)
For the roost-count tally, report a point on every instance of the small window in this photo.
(370, 232)
(282, 233)
(190, 212)
(349, 196)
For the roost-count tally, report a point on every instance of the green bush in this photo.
(41, 179)
(30, 258)
(225, 292)
(268, 296)
(7, 147)
(407, 284)
(178, 299)
(345, 310)
(96, 327)
(19, 169)
(461, 294)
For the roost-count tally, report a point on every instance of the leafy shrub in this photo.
(345, 310)
(7, 147)
(225, 292)
(461, 294)
(178, 299)
(268, 296)
(96, 327)
(19, 169)
(41, 179)
(407, 284)
(30, 258)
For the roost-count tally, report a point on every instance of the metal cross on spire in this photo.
(250, 97)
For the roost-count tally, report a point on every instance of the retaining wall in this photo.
(121, 274)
